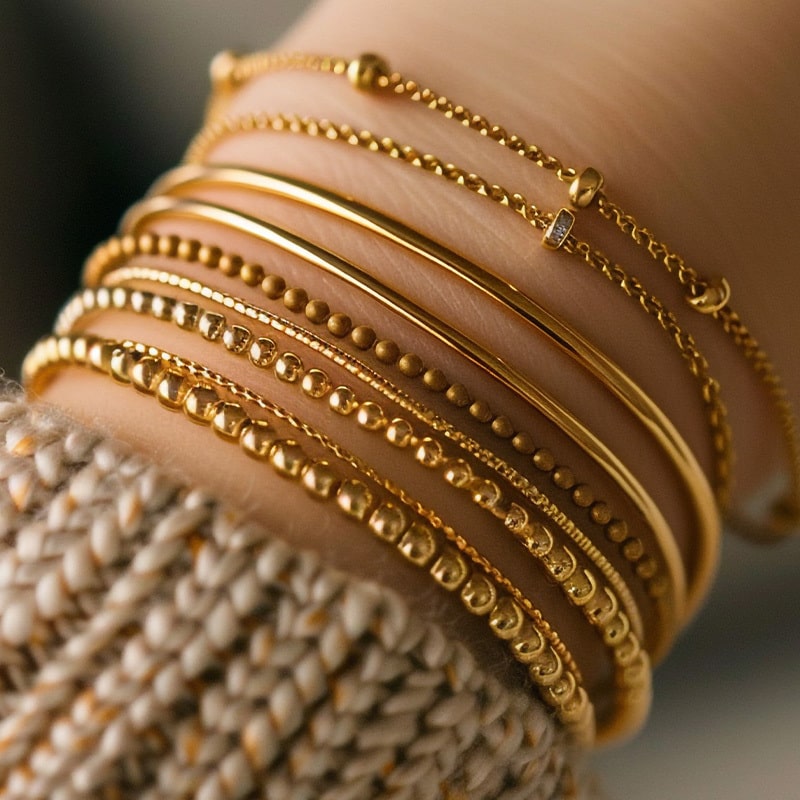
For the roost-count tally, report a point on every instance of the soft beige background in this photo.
(97, 98)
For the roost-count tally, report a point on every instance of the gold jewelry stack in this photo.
(616, 573)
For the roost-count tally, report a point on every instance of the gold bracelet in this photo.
(497, 368)
(116, 251)
(316, 384)
(580, 349)
(707, 296)
(152, 374)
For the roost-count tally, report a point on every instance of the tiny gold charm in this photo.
(585, 187)
(558, 230)
(716, 295)
(364, 71)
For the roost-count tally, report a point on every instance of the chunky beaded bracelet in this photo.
(708, 296)
(158, 374)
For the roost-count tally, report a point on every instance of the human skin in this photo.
(694, 142)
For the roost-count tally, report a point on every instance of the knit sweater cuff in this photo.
(155, 644)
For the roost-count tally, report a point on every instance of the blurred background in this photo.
(97, 98)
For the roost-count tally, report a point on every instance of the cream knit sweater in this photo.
(156, 645)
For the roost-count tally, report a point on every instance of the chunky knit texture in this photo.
(155, 645)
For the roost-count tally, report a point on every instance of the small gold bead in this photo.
(200, 404)
(583, 495)
(99, 355)
(342, 400)
(560, 563)
(141, 301)
(119, 364)
(273, 286)
(616, 629)
(168, 245)
(257, 439)
(486, 494)
(410, 365)
(236, 338)
(435, 380)
(429, 453)
(480, 411)
(388, 521)
(528, 644)
(364, 71)
(633, 549)
(600, 513)
(363, 337)
(145, 373)
(479, 595)
(230, 264)
(627, 651)
(211, 325)
(339, 325)
(658, 587)
(316, 383)
(185, 315)
(506, 618)
(320, 480)
(229, 419)
(646, 568)
(418, 544)
(563, 689)
(546, 668)
(458, 395)
(288, 458)
(288, 367)
(387, 351)
(129, 245)
(370, 416)
(458, 473)
(399, 432)
(523, 443)
(502, 427)
(354, 498)
(162, 307)
(450, 569)
(146, 244)
(617, 531)
(172, 389)
(544, 460)
(252, 274)
(222, 69)
(209, 256)
(295, 299)
(188, 250)
(563, 477)
(317, 311)
(539, 540)
(263, 352)
(581, 587)
(80, 350)
(516, 518)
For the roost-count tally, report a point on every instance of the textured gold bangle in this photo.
(708, 296)
(316, 384)
(116, 251)
(152, 374)
(497, 368)
(576, 346)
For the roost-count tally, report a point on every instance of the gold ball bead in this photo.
(387, 351)
(257, 439)
(516, 518)
(486, 494)
(317, 311)
(523, 443)
(528, 643)
(146, 244)
(388, 521)
(370, 416)
(502, 427)
(211, 325)
(633, 549)
(172, 389)
(320, 480)
(450, 569)
(188, 250)
(479, 595)
(429, 453)
(339, 324)
(146, 372)
(236, 339)
(363, 337)
(600, 513)
(288, 367)
(617, 531)
(505, 619)
(288, 458)
(481, 411)
(342, 400)
(458, 395)
(399, 432)
(365, 71)
(200, 404)
(252, 274)
(230, 264)
(582, 495)
(354, 498)
(418, 544)
(209, 256)
(168, 245)
(295, 299)
(410, 365)
(458, 473)
(435, 380)
(273, 286)
(646, 568)
(316, 383)
(544, 460)
(563, 477)
(263, 352)
(229, 420)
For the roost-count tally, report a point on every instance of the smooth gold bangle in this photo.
(570, 341)
(507, 375)
(526, 636)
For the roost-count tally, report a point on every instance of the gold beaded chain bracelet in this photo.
(609, 374)
(621, 633)
(109, 256)
(497, 368)
(708, 296)
(556, 236)
(151, 372)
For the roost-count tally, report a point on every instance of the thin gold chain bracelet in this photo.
(557, 235)
(708, 296)
(316, 384)
(115, 252)
(527, 637)
(161, 207)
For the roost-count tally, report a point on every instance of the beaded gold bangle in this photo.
(708, 296)
(153, 374)
(115, 252)
(316, 384)
(497, 368)
(578, 347)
